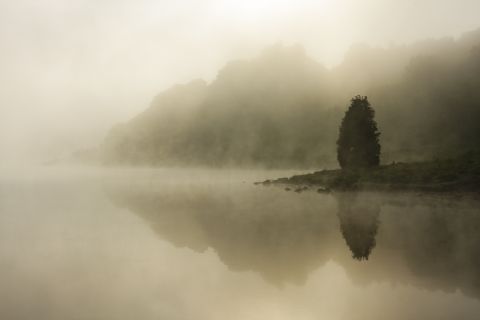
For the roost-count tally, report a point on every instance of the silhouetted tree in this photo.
(357, 144)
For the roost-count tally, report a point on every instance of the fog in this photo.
(157, 158)
(283, 109)
(196, 244)
(71, 70)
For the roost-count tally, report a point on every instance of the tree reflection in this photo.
(427, 241)
(358, 217)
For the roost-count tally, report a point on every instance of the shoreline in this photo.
(453, 175)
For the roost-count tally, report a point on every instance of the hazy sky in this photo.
(69, 69)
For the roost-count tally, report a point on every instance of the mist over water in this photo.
(208, 244)
(135, 136)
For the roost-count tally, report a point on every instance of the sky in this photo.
(70, 69)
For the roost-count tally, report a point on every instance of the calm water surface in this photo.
(205, 244)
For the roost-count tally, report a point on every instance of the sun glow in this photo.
(251, 10)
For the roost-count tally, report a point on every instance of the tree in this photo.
(357, 144)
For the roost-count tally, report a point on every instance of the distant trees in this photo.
(357, 144)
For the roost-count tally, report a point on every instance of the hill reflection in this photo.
(281, 239)
(425, 241)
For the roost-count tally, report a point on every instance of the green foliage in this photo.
(345, 180)
(273, 111)
(460, 173)
(357, 144)
(282, 109)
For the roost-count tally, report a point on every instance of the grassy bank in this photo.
(456, 174)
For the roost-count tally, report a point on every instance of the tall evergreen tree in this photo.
(357, 144)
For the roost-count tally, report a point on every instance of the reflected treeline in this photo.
(278, 237)
(424, 241)
(439, 241)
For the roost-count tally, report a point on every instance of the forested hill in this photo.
(283, 109)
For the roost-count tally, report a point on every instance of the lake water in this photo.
(206, 244)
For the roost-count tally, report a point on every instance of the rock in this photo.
(323, 190)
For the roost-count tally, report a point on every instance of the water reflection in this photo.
(281, 239)
(426, 241)
(358, 217)
(212, 248)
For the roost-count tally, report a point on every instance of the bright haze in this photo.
(72, 69)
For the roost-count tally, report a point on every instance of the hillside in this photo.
(283, 109)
